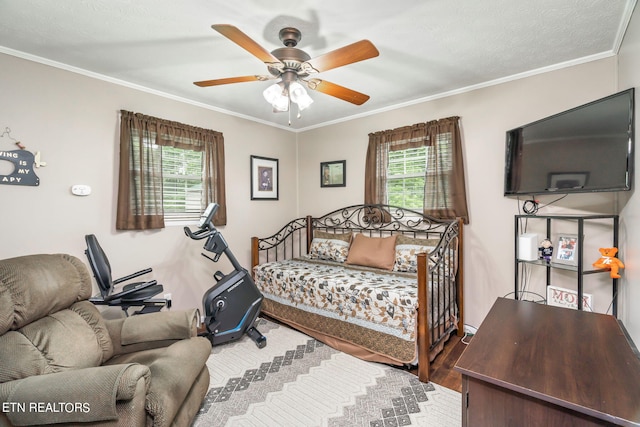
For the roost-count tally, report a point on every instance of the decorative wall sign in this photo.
(23, 162)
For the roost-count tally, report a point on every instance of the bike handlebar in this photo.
(198, 235)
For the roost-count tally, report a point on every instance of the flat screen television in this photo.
(586, 149)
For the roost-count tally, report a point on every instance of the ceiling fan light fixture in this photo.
(274, 96)
(299, 95)
(272, 93)
(282, 104)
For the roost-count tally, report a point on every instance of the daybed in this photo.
(379, 282)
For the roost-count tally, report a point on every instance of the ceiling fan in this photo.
(294, 67)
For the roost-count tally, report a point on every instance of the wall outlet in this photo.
(470, 330)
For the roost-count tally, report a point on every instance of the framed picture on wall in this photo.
(264, 178)
(567, 249)
(333, 174)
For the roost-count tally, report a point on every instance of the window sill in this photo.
(180, 222)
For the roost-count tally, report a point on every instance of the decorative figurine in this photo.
(546, 250)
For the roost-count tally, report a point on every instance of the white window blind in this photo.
(438, 191)
(181, 183)
(406, 177)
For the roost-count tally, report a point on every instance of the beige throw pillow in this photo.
(376, 252)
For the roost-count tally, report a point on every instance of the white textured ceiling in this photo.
(427, 47)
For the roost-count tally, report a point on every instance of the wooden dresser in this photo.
(537, 365)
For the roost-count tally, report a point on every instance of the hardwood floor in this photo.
(442, 372)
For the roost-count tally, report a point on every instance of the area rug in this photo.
(296, 381)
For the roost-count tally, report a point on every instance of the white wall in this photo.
(629, 64)
(73, 120)
(486, 114)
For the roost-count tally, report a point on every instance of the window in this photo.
(181, 183)
(168, 170)
(418, 167)
(405, 177)
(181, 173)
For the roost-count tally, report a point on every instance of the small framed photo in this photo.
(264, 178)
(333, 174)
(567, 249)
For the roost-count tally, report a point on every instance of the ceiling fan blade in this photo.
(246, 42)
(217, 82)
(355, 52)
(338, 91)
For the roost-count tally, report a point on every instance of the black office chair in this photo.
(137, 294)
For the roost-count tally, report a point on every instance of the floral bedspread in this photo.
(378, 300)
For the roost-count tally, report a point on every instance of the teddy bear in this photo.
(609, 261)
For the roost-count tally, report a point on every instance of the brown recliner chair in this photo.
(62, 363)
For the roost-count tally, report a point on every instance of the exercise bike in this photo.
(232, 305)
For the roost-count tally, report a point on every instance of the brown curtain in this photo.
(445, 193)
(140, 178)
